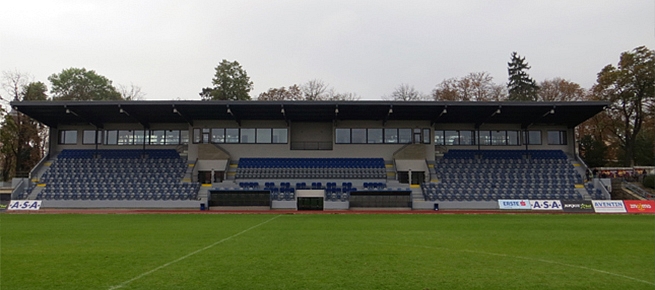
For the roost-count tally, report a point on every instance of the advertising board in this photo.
(577, 206)
(514, 204)
(24, 205)
(608, 206)
(640, 206)
(549, 204)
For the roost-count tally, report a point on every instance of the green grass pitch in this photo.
(326, 251)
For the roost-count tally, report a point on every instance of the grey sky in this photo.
(170, 48)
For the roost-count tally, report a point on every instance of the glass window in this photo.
(218, 135)
(158, 137)
(426, 136)
(139, 137)
(90, 137)
(197, 136)
(184, 137)
(374, 136)
(484, 138)
(556, 137)
(417, 136)
(112, 137)
(532, 138)
(439, 139)
(498, 138)
(125, 137)
(405, 136)
(466, 138)
(280, 135)
(358, 136)
(205, 135)
(391, 136)
(562, 137)
(452, 137)
(512, 137)
(232, 135)
(264, 135)
(343, 136)
(172, 137)
(247, 135)
(68, 137)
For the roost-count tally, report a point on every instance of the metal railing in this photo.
(38, 166)
(637, 190)
(587, 170)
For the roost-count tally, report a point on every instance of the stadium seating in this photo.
(311, 168)
(117, 175)
(484, 175)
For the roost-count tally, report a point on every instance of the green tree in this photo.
(79, 84)
(644, 144)
(231, 82)
(630, 87)
(593, 151)
(521, 87)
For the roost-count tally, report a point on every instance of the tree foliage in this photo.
(313, 90)
(521, 87)
(560, 90)
(293, 93)
(230, 83)
(593, 151)
(630, 87)
(21, 137)
(80, 84)
(477, 86)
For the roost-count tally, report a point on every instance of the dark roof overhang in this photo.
(98, 113)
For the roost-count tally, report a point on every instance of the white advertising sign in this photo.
(24, 205)
(608, 206)
(514, 204)
(546, 204)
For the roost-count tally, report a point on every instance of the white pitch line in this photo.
(532, 259)
(561, 264)
(121, 285)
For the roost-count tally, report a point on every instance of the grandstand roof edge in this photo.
(147, 112)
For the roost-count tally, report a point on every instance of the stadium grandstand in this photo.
(307, 155)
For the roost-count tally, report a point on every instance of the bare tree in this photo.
(13, 83)
(131, 92)
(405, 92)
(477, 86)
(315, 90)
(334, 96)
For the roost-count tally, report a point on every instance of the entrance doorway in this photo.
(205, 177)
(310, 203)
(418, 177)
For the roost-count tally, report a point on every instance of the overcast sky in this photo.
(170, 48)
